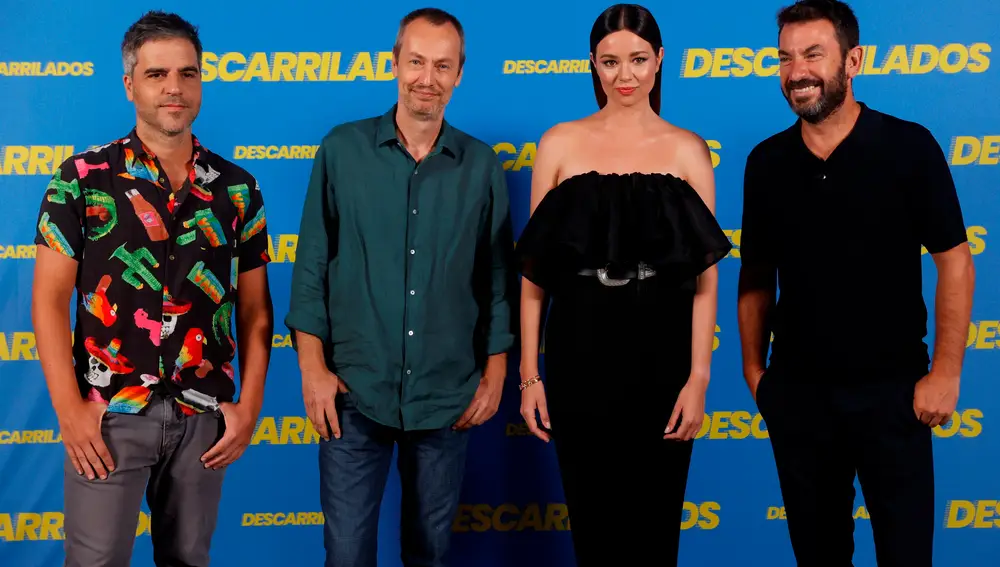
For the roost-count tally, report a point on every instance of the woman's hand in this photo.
(532, 400)
(690, 410)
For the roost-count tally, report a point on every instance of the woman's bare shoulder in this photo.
(686, 147)
(682, 138)
(564, 133)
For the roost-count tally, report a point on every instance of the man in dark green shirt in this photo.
(400, 310)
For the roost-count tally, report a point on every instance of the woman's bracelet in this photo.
(525, 383)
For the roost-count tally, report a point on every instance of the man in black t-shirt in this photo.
(845, 394)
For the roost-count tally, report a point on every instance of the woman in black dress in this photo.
(623, 241)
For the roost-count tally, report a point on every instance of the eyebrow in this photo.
(152, 70)
(633, 54)
(810, 49)
(419, 56)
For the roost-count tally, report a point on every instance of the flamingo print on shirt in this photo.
(143, 321)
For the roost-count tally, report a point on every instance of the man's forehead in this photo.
(800, 37)
(811, 29)
(166, 56)
(166, 47)
(424, 33)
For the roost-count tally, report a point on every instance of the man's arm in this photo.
(254, 329)
(952, 309)
(756, 290)
(60, 245)
(308, 316)
(941, 226)
(757, 287)
(254, 309)
(308, 311)
(52, 292)
(499, 338)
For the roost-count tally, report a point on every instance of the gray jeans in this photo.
(158, 453)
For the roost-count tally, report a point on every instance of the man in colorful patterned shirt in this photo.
(164, 241)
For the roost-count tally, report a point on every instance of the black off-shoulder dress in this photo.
(617, 353)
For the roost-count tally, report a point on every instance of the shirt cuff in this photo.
(499, 343)
(307, 323)
(64, 247)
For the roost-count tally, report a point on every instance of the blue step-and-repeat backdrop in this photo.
(61, 92)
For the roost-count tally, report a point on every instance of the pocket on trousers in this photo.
(345, 400)
(106, 421)
(220, 426)
(906, 402)
(761, 389)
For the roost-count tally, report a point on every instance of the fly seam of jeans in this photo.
(163, 426)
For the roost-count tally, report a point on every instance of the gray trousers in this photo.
(158, 453)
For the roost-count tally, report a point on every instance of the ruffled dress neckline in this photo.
(618, 221)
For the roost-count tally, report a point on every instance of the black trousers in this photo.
(825, 432)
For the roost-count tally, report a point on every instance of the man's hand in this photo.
(240, 421)
(80, 426)
(935, 398)
(319, 390)
(487, 399)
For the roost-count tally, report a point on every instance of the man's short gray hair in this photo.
(152, 26)
(436, 17)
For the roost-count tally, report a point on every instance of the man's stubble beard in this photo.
(833, 93)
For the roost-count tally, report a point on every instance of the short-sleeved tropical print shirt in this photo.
(158, 271)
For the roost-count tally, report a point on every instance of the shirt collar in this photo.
(202, 172)
(386, 133)
(859, 136)
(133, 142)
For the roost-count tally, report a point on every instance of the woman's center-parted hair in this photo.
(633, 18)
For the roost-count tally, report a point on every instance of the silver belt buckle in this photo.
(645, 271)
(602, 276)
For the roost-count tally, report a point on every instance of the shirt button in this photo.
(411, 333)
(172, 257)
(414, 211)
(408, 371)
(413, 251)
(413, 292)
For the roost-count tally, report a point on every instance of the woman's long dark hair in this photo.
(638, 20)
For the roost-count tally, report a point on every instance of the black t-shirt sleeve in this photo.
(939, 220)
(756, 242)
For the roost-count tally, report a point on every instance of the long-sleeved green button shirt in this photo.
(404, 269)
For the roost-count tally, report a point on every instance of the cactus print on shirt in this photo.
(157, 268)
